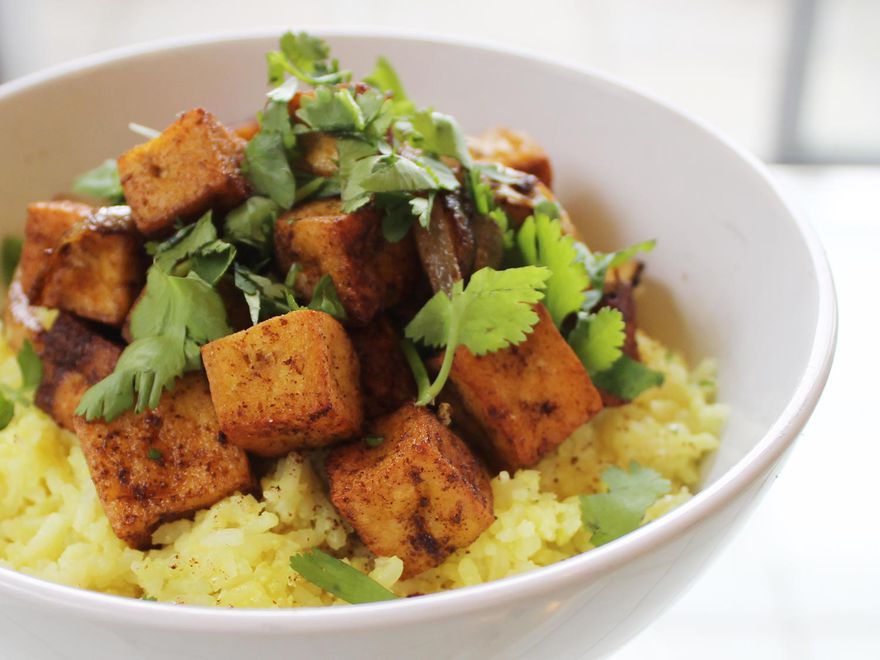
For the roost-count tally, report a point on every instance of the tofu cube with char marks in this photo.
(290, 382)
(526, 398)
(512, 149)
(95, 269)
(75, 357)
(193, 166)
(163, 464)
(420, 494)
(369, 273)
(386, 379)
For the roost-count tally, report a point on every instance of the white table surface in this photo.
(802, 579)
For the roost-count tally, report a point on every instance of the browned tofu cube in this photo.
(46, 223)
(193, 166)
(527, 398)
(290, 382)
(163, 464)
(21, 320)
(97, 268)
(246, 130)
(319, 154)
(370, 274)
(386, 379)
(420, 494)
(512, 149)
(75, 357)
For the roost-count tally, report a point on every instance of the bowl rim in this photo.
(778, 437)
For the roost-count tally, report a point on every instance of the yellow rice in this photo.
(237, 552)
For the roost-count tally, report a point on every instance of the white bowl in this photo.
(736, 276)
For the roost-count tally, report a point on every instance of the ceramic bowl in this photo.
(736, 275)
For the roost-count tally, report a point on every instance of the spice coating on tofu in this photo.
(386, 379)
(527, 398)
(290, 382)
(46, 224)
(162, 464)
(75, 357)
(419, 494)
(370, 274)
(193, 166)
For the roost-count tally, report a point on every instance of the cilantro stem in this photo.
(436, 387)
(416, 366)
(14, 395)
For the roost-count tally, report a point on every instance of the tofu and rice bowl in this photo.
(337, 354)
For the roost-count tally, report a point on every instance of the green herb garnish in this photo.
(374, 440)
(101, 182)
(338, 578)
(621, 510)
(154, 454)
(492, 312)
(31, 367)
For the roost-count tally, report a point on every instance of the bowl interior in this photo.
(732, 276)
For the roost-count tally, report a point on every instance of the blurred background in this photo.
(797, 82)
(792, 80)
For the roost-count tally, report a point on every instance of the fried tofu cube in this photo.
(512, 149)
(75, 357)
(46, 223)
(320, 155)
(290, 382)
(193, 166)
(21, 320)
(527, 398)
(96, 269)
(386, 379)
(419, 494)
(163, 464)
(370, 274)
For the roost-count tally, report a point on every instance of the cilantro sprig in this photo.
(338, 578)
(621, 510)
(492, 312)
(179, 312)
(31, 367)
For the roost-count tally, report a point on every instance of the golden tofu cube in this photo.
(419, 494)
(97, 268)
(386, 379)
(193, 166)
(527, 398)
(75, 357)
(290, 382)
(46, 223)
(512, 149)
(162, 464)
(320, 155)
(370, 274)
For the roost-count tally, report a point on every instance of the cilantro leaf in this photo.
(325, 299)
(493, 312)
(332, 110)
(422, 207)
(31, 366)
(398, 215)
(597, 339)
(441, 135)
(194, 248)
(306, 57)
(10, 255)
(102, 182)
(385, 78)
(253, 224)
(265, 297)
(621, 510)
(265, 166)
(541, 242)
(627, 378)
(338, 578)
(597, 265)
